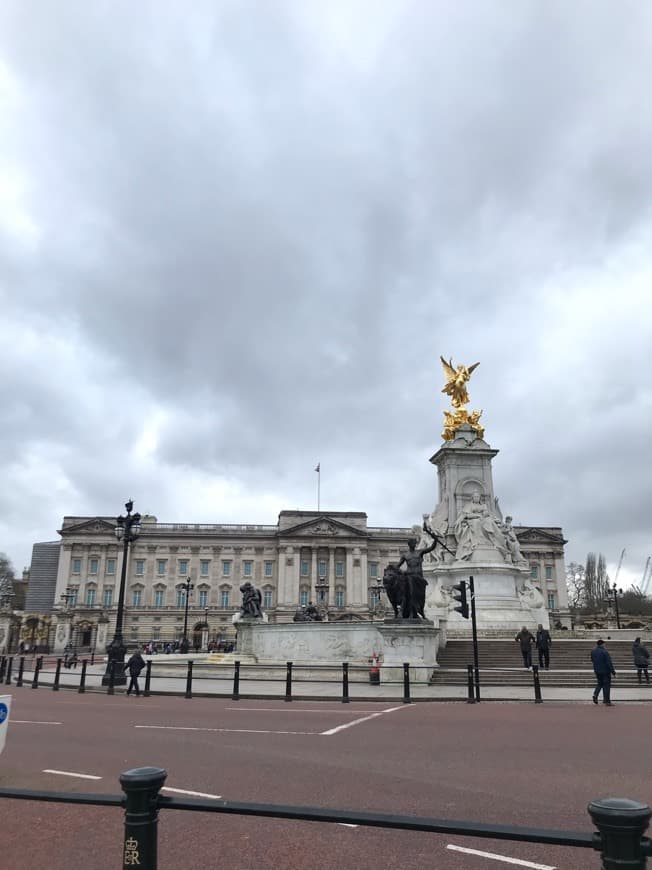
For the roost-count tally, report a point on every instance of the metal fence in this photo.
(620, 836)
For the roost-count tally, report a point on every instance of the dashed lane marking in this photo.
(220, 730)
(339, 728)
(506, 859)
(70, 773)
(201, 794)
(32, 722)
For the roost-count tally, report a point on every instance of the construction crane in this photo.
(647, 576)
(620, 562)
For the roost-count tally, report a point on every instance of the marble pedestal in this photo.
(331, 643)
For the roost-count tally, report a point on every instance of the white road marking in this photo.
(220, 730)
(203, 794)
(291, 709)
(70, 773)
(31, 722)
(504, 858)
(345, 825)
(335, 730)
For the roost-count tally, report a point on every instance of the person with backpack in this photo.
(641, 659)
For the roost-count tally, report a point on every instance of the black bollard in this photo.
(189, 680)
(37, 669)
(110, 689)
(537, 685)
(21, 668)
(345, 682)
(469, 678)
(82, 679)
(141, 787)
(57, 677)
(406, 683)
(148, 678)
(288, 682)
(10, 664)
(622, 824)
(236, 682)
(3, 667)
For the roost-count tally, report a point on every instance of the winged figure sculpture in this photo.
(456, 381)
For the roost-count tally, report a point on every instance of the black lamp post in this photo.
(185, 643)
(127, 530)
(616, 592)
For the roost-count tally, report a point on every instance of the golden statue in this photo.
(456, 381)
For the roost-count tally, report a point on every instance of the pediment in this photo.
(324, 527)
(539, 535)
(95, 526)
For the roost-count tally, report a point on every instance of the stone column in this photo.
(63, 632)
(331, 574)
(313, 576)
(281, 583)
(349, 576)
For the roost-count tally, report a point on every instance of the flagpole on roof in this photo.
(318, 470)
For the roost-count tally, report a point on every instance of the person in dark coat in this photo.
(525, 638)
(604, 671)
(135, 665)
(641, 660)
(544, 642)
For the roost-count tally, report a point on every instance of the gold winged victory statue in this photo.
(456, 381)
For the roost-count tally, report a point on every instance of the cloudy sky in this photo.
(235, 238)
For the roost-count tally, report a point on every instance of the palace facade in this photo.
(333, 559)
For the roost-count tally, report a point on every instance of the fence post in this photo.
(10, 664)
(469, 680)
(406, 683)
(622, 824)
(82, 679)
(21, 668)
(148, 677)
(189, 680)
(537, 685)
(57, 677)
(345, 683)
(288, 682)
(141, 787)
(110, 689)
(236, 682)
(37, 669)
(3, 665)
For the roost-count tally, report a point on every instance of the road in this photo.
(515, 764)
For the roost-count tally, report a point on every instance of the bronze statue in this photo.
(251, 601)
(308, 613)
(407, 590)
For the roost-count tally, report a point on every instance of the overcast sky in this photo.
(235, 238)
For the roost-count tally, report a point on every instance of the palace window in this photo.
(183, 567)
(534, 572)
(267, 599)
(322, 569)
(110, 566)
(140, 567)
(224, 598)
(159, 597)
(269, 569)
(137, 597)
(373, 569)
(303, 597)
(339, 569)
(322, 596)
(73, 592)
(203, 567)
(156, 632)
(76, 566)
(181, 597)
(248, 568)
(203, 597)
(339, 598)
(226, 569)
(107, 598)
(551, 601)
(374, 597)
(161, 566)
(305, 568)
(90, 598)
(93, 566)
(548, 570)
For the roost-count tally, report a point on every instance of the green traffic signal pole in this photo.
(476, 667)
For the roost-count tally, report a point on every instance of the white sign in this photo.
(5, 706)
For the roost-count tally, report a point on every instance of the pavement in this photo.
(514, 764)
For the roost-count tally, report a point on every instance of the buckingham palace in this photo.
(332, 559)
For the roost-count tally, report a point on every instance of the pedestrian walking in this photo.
(641, 660)
(525, 638)
(604, 671)
(543, 642)
(135, 665)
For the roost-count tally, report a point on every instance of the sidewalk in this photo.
(387, 692)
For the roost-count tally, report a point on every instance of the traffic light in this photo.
(459, 594)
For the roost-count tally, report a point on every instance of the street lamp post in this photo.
(127, 530)
(615, 591)
(185, 643)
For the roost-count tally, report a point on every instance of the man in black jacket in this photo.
(544, 642)
(135, 664)
(525, 639)
(641, 660)
(604, 670)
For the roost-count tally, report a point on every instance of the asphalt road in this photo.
(513, 764)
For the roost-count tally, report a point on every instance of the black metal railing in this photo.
(620, 836)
